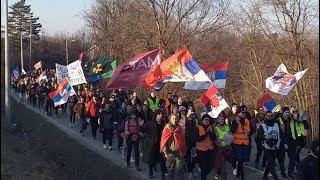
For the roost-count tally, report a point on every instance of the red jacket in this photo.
(93, 108)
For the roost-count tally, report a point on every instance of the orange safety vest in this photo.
(207, 143)
(239, 137)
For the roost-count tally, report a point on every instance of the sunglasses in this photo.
(294, 111)
(270, 116)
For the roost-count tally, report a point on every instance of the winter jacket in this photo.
(107, 119)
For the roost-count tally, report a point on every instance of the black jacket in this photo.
(308, 169)
(107, 119)
(191, 132)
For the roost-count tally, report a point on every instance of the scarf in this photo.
(178, 138)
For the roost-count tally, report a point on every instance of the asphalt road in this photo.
(62, 122)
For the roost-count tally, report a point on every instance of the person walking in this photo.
(223, 141)
(173, 146)
(132, 136)
(80, 111)
(241, 130)
(107, 117)
(152, 131)
(92, 109)
(269, 133)
(204, 145)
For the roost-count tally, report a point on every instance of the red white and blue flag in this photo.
(62, 93)
(267, 103)
(180, 67)
(214, 102)
(217, 74)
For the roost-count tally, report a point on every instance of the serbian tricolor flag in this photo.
(213, 101)
(267, 102)
(217, 74)
(180, 67)
(62, 93)
(41, 77)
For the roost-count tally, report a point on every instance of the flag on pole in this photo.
(62, 93)
(106, 75)
(180, 67)
(99, 66)
(213, 101)
(38, 65)
(217, 74)
(132, 72)
(267, 102)
(282, 82)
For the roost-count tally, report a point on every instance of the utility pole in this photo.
(67, 58)
(30, 45)
(21, 52)
(7, 65)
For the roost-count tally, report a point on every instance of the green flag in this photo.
(109, 73)
(99, 66)
(106, 75)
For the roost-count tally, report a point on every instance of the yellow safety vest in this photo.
(299, 128)
(153, 106)
(222, 134)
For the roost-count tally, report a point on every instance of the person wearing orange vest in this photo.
(204, 145)
(241, 130)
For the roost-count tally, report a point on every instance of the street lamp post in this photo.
(21, 52)
(67, 53)
(7, 66)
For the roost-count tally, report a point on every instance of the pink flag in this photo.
(132, 72)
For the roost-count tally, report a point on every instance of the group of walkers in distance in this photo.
(170, 132)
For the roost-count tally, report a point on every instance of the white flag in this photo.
(282, 82)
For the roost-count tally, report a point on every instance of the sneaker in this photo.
(70, 125)
(73, 125)
(216, 177)
(110, 148)
(190, 175)
(132, 160)
(104, 146)
(138, 168)
(234, 171)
